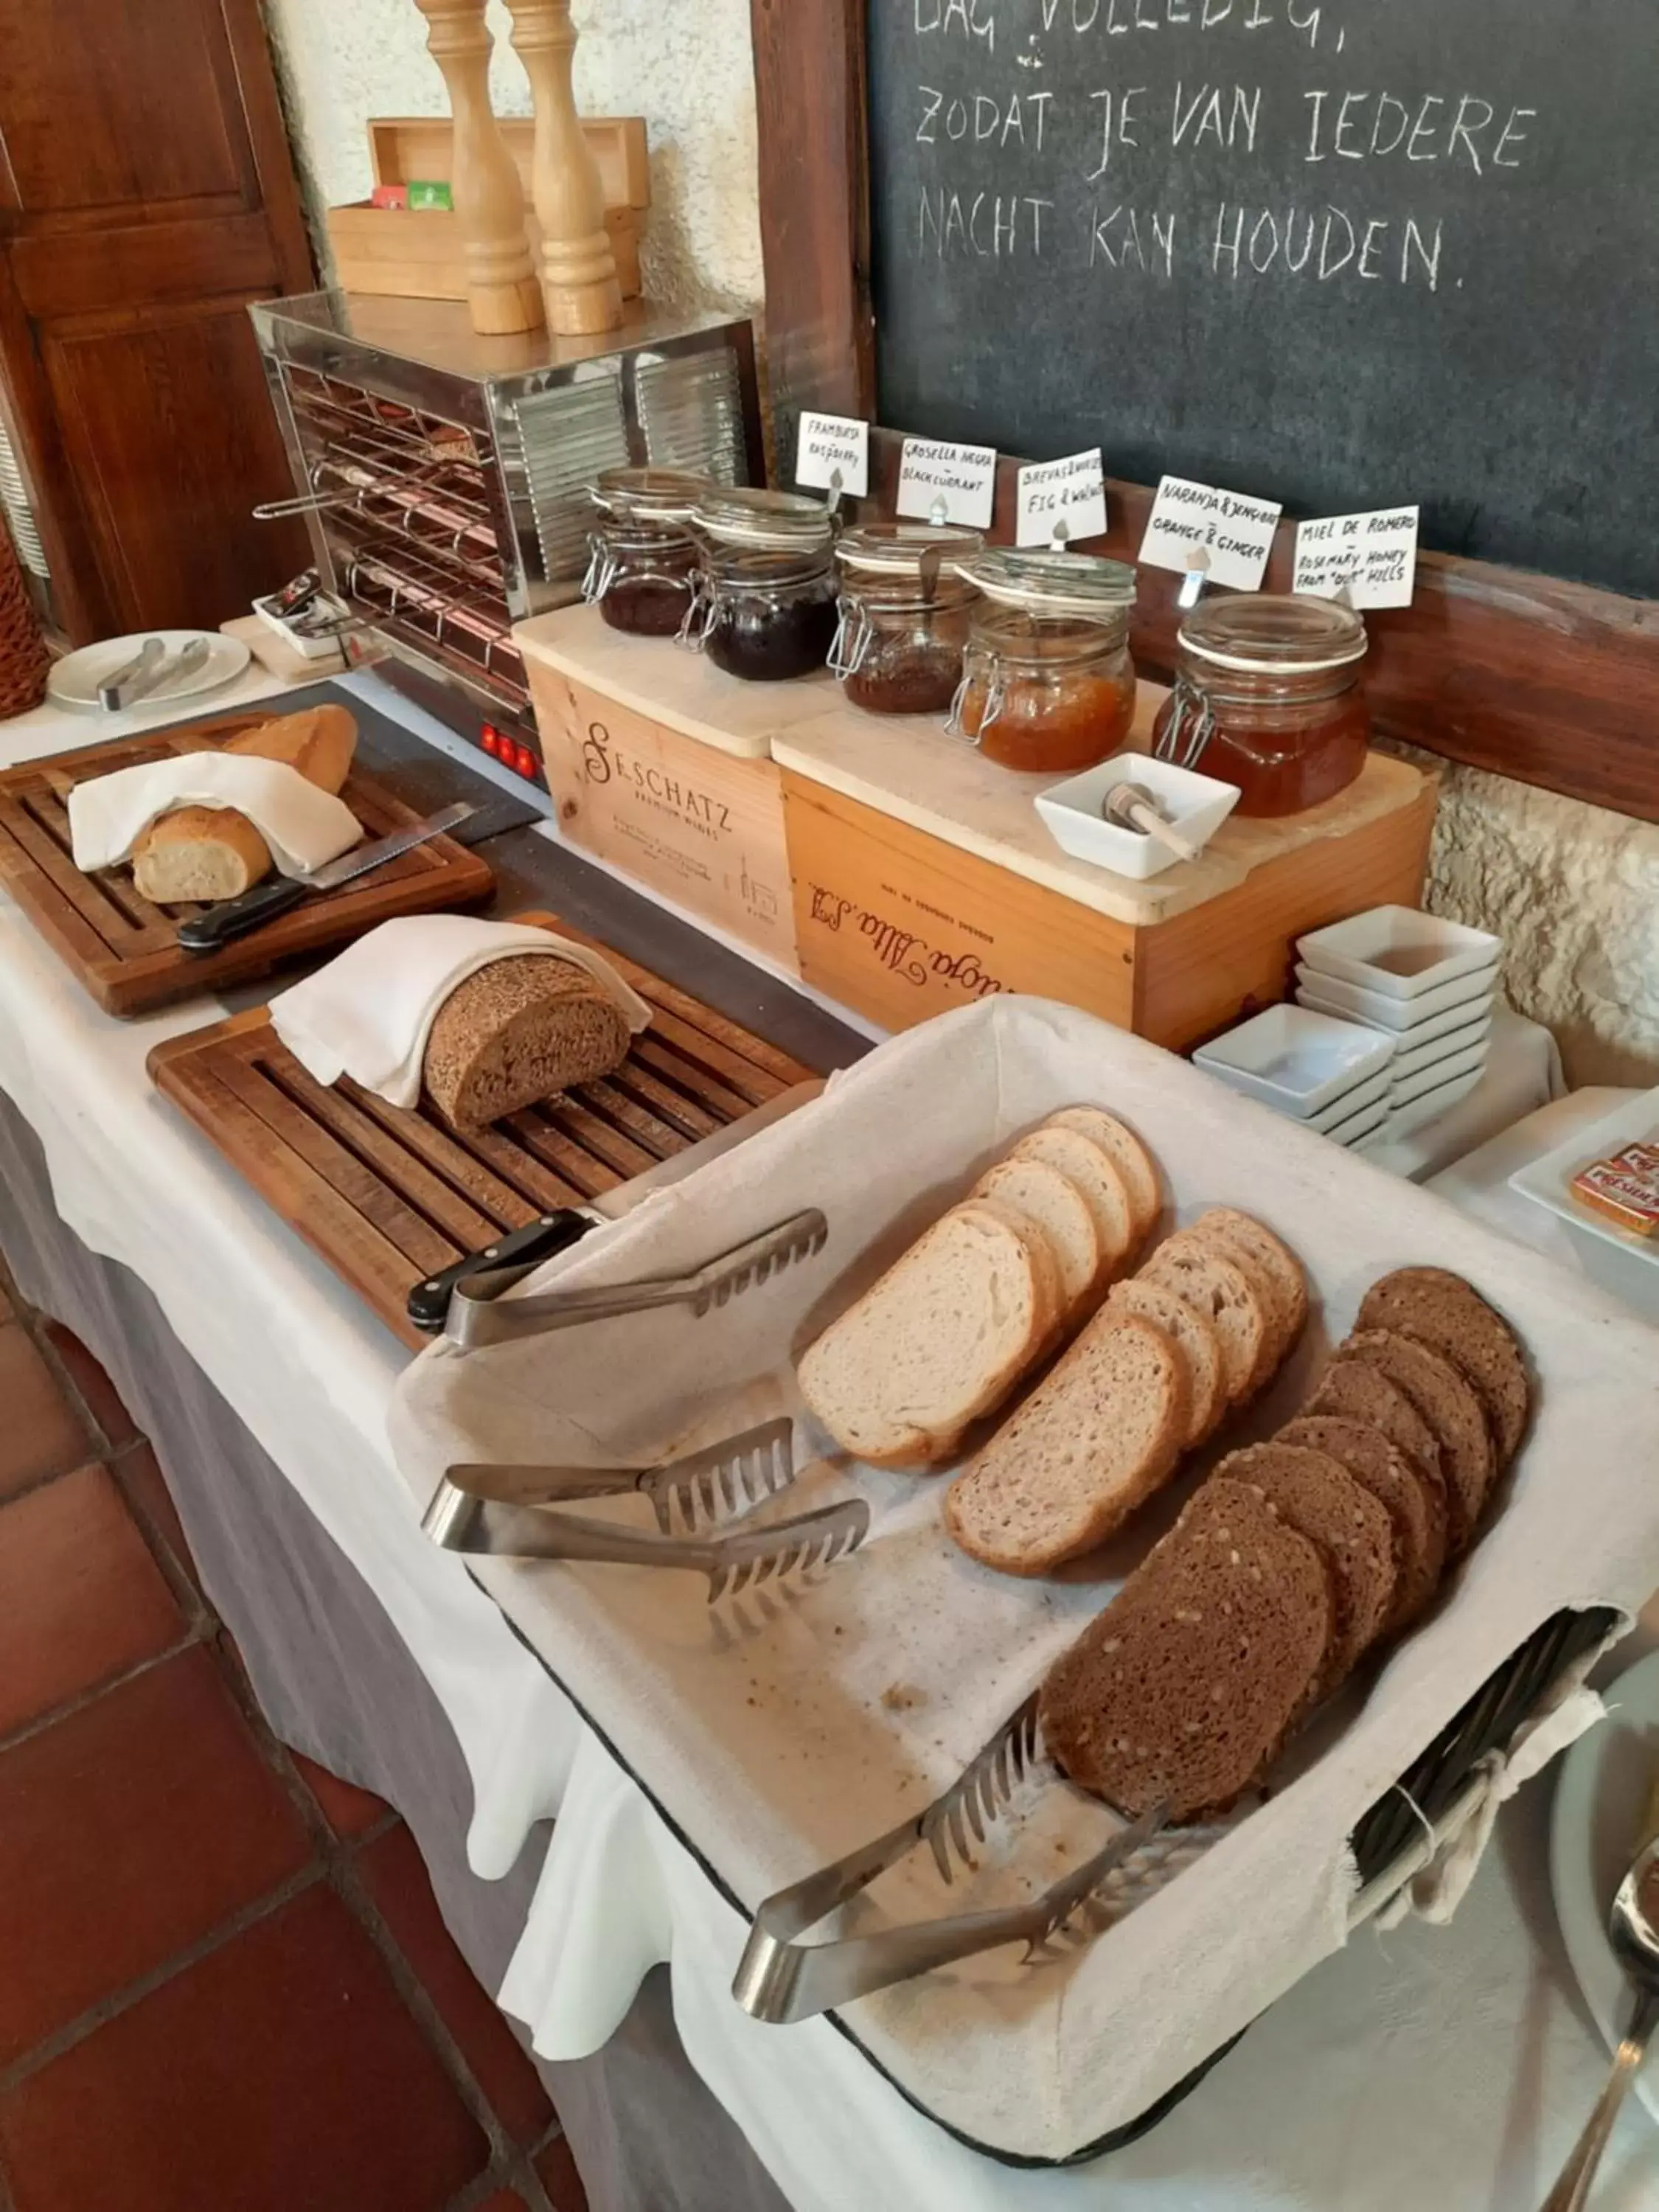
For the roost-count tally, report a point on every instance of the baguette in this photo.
(318, 742)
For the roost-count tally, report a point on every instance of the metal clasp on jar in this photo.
(603, 569)
(1186, 736)
(699, 619)
(856, 634)
(995, 696)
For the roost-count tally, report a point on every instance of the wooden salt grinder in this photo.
(502, 292)
(578, 270)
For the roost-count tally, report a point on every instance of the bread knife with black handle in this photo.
(513, 1257)
(232, 918)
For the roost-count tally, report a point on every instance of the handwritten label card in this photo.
(1238, 533)
(949, 482)
(1374, 555)
(1065, 499)
(829, 443)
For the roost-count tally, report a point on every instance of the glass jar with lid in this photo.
(1267, 696)
(765, 607)
(1048, 684)
(642, 559)
(904, 609)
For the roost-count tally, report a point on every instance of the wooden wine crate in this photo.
(416, 252)
(923, 878)
(659, 764)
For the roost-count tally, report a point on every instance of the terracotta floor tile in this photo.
(281, 2071)
(128, 1831)
(81, 1598)
(103, 1399)
(42, 1434)
(349, 1810)
(397, 1879)
(555, 2169)
(139, 1473)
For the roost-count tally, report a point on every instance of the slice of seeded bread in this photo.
(1383, 1468)
(1131, 1158)
(1195, 1335)
(1449, 1405)
(1321, 1501)
(937, 1342)
(1442, 1309)
(1057, 1207)
(1219, 1288)
(1181, 1691)
(1097, 1176)
(521, 1029)
(1098, 1436)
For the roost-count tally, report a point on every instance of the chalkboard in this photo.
(1348, 254)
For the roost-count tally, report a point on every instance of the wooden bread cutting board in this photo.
(125, 951)
(389, 1195)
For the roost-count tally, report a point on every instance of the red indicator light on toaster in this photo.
(525, 760)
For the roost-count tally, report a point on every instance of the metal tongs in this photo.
(780, 1979)
(490, 1510)
(478, 1314)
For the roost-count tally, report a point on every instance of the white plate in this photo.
(1296, 1061)
(1594, 1832)
(1413, 1057)
(1399, 952)
(1196, 806)
(1401, 1018)
(1546, 1180)
(1470, 1061)
(74, 679)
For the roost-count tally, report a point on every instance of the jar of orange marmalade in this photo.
(1268, 696)
(1048, 685)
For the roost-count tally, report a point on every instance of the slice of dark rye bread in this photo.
(1181, 1691)
(1449, 1405)
(1321, 1501)
(1353, 1392)
(1383, 1469)
(1442, 1309)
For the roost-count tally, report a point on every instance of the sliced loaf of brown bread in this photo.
(1449, 1405)
(1321, 1501)
(1350, 1392)
(1442, 1309)
(1383, 1468)
(1181, 1691)
(520, 1030)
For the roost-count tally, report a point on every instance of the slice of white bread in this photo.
(1057, 1207)
(1211, 1280)
(1196, 1336)
(1243, 1236)
(1128, 1154)
(1097, 1176)
(1097, 1436)
(937, 1342)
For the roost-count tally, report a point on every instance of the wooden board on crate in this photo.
(125, 953)
(900, 925)
(389, 1195)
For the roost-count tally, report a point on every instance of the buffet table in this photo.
(1423, 2067)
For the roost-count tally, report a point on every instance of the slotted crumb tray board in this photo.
(125, 953)
(390, 1195)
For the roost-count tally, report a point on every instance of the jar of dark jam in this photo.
(765, 606)
(1048, 684)
(903, 616)
(642, 559)
(1267, 696)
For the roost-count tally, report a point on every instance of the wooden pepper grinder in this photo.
(502, 292)
(577, 269)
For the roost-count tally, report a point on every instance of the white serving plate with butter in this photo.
(1547, 1181)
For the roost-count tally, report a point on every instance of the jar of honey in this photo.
(642, 558)
(1267, 696)
(1047, 684)
(903, 616)
(765, 604)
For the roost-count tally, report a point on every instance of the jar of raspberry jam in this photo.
(765, 602)
(1048, 685)
(903, 616)
(1267, 696)
(643, 556)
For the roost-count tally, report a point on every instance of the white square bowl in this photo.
(1470, 1063)
(1399, 953)
(1359, 1129)
(1296, 1061)
(1401, 1018)
(1413, 1058)
(1427, 1106)
(1373, 1092)
(1196, 806)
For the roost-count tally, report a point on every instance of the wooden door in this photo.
(146, 197)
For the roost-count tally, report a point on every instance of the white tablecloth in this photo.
(1426, 2068)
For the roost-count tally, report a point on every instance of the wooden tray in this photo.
(389, 1195)
(125, 951)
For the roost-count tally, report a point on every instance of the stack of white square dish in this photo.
(1330, 1074)
(1427, 984)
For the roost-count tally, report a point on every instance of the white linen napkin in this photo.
(370, 1012)
(304, 826)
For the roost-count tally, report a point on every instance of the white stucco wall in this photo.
(1574, 891)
